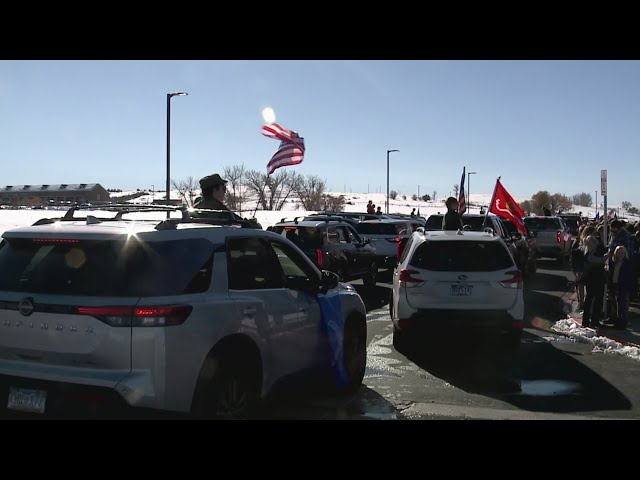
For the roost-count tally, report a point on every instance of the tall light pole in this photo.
(169, 96)
(596, 202)
(469, 189)
(388, 152)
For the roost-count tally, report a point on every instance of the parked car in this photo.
(462, 278)
(333, 244)
(552, 237)
(572, 222)
(176, 315)
(385, 235)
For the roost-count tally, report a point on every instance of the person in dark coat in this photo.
(213, 191)
(451, 219)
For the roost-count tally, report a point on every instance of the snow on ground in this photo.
(600, 344)
(355, 202)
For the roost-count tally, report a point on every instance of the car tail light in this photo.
(404, 323)
(394, 240)
(319, 257)
(559, 236)
(515, 281)
(405, 276)
(162, 316)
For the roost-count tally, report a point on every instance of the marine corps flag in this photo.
(504, 206)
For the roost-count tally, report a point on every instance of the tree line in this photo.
(271, 192)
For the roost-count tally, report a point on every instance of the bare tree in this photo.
(540, 201)
(393, 194)
(333, 204)
(280, 188)
(310, 190)
(234, 176)
(526, 207)
(626, 205)
(583, 199)
(256, 182)
(560, 203)
(456, 189)
(435, 192)
(186, 189)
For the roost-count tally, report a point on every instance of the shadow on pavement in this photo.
(538, 377)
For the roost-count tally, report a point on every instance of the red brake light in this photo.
(394, 240)
(163, 316)
(319, 257)
(515, 281)
(559, 236)
(405, 276)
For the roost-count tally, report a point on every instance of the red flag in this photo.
(504, 206)
(291, 149)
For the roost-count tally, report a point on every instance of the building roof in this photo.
(60, 187)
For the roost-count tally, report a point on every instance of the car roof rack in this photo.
(224, 218)
(120, 208)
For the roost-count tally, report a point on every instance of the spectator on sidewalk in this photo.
(620, 282)
(593, 276)
(371, 208)
(577, 265)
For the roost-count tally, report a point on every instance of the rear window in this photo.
(106, 268)
(381, 229)
(476, 223)
(443, 256)
(543, 223)
(572, 222)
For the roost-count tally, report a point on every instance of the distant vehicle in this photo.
(385, 235)
(333, 244)
(573, 222)
(552, 237)
(525, 248)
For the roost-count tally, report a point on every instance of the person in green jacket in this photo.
(451, 220)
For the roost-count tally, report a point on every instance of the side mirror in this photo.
(329, 280)
(365, 241)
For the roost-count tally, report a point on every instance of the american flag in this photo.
(291, 149)
(462, 206)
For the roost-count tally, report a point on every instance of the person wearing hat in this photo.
(213, 190)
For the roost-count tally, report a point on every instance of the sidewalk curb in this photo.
(601, 332)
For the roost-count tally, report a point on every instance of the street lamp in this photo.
(469, 188)
(169, 95)
(388, 152)
(153, 193)
(596, 202)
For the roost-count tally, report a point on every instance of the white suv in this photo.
(463, 278)
(177, 315)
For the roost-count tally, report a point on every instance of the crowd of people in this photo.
(606, 273)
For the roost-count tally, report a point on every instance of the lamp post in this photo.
(153, 193)
(169, 96)
(469, 188)
(388, 152)
(596, 203)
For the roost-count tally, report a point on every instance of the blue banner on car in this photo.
(331, 311)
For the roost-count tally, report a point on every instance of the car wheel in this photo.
(232, 393)
(369, 279)
(355, 351)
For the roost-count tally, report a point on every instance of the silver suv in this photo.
(176, 315)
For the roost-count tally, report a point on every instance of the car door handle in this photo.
(250, 310)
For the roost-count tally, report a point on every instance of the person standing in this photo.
(451, 219)
(594, 279)
(371, 208)
(213, 189)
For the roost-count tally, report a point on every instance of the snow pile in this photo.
(601, 344)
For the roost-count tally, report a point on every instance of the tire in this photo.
(233, 392)
(370, 278)
(355, 352)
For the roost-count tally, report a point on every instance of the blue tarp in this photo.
(333, 323)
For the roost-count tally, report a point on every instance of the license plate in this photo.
(27, 400)
(461, 290)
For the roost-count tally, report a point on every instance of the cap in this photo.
(212, 181)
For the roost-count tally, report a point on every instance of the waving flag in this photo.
(504, 206)
(462, 206)
(291, 149)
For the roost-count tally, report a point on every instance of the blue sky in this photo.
(540, 125)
